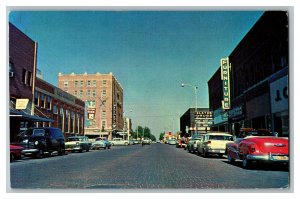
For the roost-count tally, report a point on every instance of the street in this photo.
(155, 166)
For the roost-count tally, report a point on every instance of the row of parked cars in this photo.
(43, 141)
(249, 146)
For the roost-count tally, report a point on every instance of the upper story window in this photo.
(55, 110)
(94, 83)
(88, 83)
(88, 93)
(42, 100)
(11, 69)
(75, 93)
(81, 83)
(36, 98)
(81, 93)
(104, 82)
(66, 83)
(26, 77)
(75, 83)
(93, 93)
(48, 102)
(103, 93)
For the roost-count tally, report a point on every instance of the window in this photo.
(88, 83)
(11, 69)
(49, 102)
(103, 93)
(88, 93)
(94, 93)
(103, 115)
(24, 73)
(104, 82)
(103, 123)
(42, 100)
(94, 83)
(36, 98)
(75, 83)
(29, 78)
(66, 83)
(55, 110)
(81, 83)
(81, 94)
(75, 93)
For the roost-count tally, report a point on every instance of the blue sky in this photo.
(151, 53)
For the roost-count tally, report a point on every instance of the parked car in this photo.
(213, 143)
(119, 141)
(172, 141)
(108, 144)
(181, 143)
(78, 143)
(258, 146)
(15, 152)
(146, 141)
(135, 141)
(100, 143)
(41, 141)
(192, 143)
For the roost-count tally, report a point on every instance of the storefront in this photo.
(220, 121)
(280, 106)
(237, 118)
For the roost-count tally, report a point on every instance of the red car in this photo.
(258, 146)
(15, 152)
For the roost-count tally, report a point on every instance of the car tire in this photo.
(205, 154)
(230, 159)
(246, 163)
(39, 154)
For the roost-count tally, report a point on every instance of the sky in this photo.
(151, 53)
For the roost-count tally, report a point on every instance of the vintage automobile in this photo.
(146, 141)
(119, 141)
(172, 141)
(192, 144)
(258, 146)
(181, 143)
(213, 143)
(42, 141)
(15, 152)
(77, 143)
(100, 143)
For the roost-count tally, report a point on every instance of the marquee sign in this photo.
(225, 77)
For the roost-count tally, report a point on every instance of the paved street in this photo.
(158, 166)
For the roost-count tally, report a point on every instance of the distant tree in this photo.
(161, 136)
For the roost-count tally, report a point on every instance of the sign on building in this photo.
(21, 104)
(225, 77)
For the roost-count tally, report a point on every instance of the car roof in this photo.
(218, 133)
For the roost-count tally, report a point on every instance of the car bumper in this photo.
(271, 157)
(73, 148)
(216, 151)
(29, 151)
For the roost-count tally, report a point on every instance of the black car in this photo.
(41, 141)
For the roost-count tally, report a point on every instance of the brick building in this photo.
(22, 69)
(103, 96)
(259, 78)
(203, 118)
(66, 110)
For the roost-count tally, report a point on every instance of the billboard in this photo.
(225, 77)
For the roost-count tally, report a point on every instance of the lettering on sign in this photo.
(225, 77)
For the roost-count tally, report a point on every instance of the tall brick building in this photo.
(103, 96)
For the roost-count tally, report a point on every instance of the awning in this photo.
(26, 117)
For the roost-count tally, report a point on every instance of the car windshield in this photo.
(219, 137)
(74, 139)
(32, 132)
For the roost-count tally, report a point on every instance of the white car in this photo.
(119, 141)
(213, 143)
(77, 143)
(192, 144)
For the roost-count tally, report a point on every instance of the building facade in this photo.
(66, 110)
(34, 102)
(103, 97)
(22, 69)
(259, 78)
(192, 122)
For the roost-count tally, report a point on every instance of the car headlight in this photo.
(36, 143)
(77, 143)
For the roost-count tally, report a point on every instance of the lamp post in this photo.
(195, 91)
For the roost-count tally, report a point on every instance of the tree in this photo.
(161, 136)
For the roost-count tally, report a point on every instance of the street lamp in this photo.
(195, 90)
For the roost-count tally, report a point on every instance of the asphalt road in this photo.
(155, 166)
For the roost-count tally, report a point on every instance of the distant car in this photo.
(41, 141)
(258, 146)
(99, 144)
(131, 142)
(213, 143)
(135, 141)
(192, 144)
(78, 143)
(119, 141)
(146, 141)
(181, 143)
(15, 152)
(172, 141)
(108, 144)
